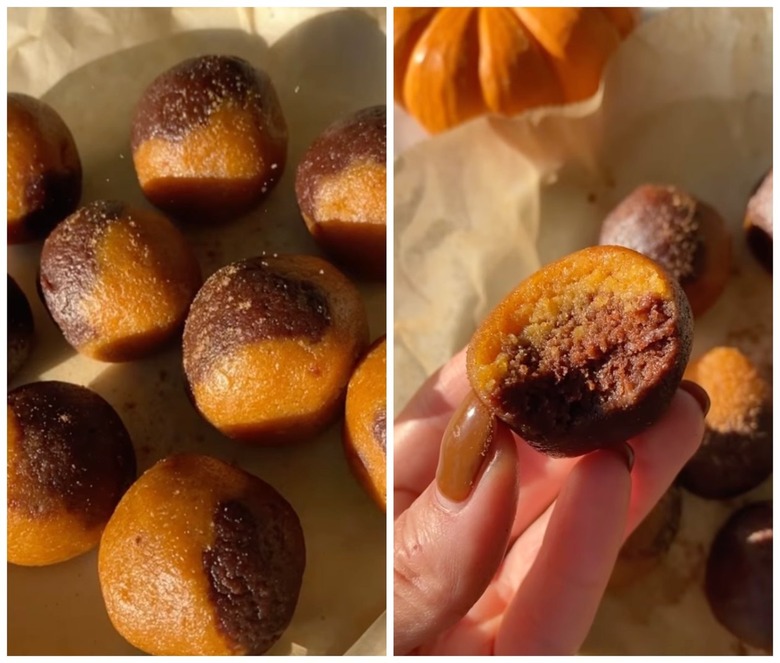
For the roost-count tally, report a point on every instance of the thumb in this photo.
(450, 542)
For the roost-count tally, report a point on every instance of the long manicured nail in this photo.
(464, 449)
(626, 453)
(698, 392)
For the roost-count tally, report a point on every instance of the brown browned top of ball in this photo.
(69, 265)
(739, 574)
(187, 94)
(684, 235)
(663, 223)
(586, 352)
(254, 300)
(358, 139)
(68, 449)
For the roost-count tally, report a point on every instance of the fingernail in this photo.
(464, 448)
(698, 392)
(626, 453)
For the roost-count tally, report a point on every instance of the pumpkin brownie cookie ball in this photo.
(738, 583)
(20, 328)
(44, 169)
(684, 235)
(341, 190)
(201, 558)
(736, 452)
(209, 139)
(585, 353)
(365, 423)
(270, 344)
(118, 281)
(70, 459)
(758, 222)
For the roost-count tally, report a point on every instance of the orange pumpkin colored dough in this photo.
(452, 64)
(365, 422)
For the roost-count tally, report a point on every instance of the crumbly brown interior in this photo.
(593, 360)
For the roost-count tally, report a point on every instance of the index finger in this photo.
(420, 426)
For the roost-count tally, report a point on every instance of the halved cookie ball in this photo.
(736, 452)
(118, 281)
(683, 234)
(70, 459)
(44, 169)
(341, 188)
(586, 352)
(738, 584)
(201, 558)
(21, 328)
(270, 344)
(209, 139)
(758, 222)
(365, 422)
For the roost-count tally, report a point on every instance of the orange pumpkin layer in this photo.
(452, 64)
(270, 344)
(365, 423)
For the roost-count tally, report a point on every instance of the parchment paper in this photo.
(91, 65)
(686, 100)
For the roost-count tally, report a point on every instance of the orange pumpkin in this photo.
(452, 64)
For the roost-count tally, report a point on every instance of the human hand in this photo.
(500, 549)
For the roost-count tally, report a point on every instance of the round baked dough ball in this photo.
(201, 558)
(341, 185)
(118, 281)
(209, 138)
(70, 459)
(365, 422)
(44, 169)
(270, 344)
